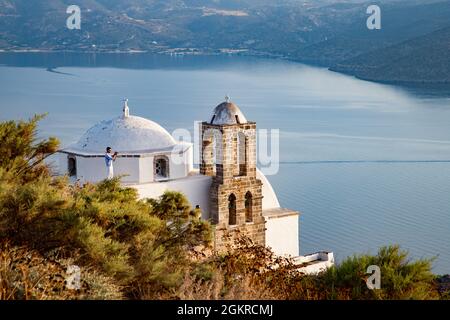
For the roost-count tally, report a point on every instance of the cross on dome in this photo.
(126, 109)
(227, 98)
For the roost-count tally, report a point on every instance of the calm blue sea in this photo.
(366, 164)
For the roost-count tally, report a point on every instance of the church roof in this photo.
(227, 113)
(124, 134)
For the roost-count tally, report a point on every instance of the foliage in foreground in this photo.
(26, 274)
(147, 249)
(252, 272)
(142, 245)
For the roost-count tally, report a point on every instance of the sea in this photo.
(366, 164)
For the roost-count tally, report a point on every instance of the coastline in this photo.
(180, 52)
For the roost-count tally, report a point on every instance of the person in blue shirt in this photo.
(109, 159)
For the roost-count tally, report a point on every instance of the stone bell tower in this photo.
(228, 154)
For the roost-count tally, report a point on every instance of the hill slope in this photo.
(423, 59)
(324, 32)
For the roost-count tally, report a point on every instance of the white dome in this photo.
(227, 113)
(124, 134)
(270, 199)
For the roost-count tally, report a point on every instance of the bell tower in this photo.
(228, 155)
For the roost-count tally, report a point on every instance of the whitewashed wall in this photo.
(181, 165)
(90, 169)
(145, 169)
(270, 199)
(195, 188)
(134, 169)
(129, 167)
(94, 169)
(189, 154)
(317, 262)
(60, 159)
(282, 235)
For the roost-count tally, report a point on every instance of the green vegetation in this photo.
(142, 245)
(401, 278)
(151, 249)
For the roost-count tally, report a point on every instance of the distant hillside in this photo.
(423, 59)
(400, 22)
(156, 24)
(330, 33)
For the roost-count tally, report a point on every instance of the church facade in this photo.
(232, 193)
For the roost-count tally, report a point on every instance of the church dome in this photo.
(124, 134)
(227, 113)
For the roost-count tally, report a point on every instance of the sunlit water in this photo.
(366, 164)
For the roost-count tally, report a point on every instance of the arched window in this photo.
(161, 167)
(211, 155)
(232, 210)
(241, 154)
(248, 207)
(72, 166)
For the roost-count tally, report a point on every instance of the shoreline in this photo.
(180, 52)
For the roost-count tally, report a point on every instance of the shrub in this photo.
(401, 278)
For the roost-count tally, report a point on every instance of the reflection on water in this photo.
(139, 61)
(367, 164)
(358, 207)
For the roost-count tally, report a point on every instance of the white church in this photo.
(228, 188)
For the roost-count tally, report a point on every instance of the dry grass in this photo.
(27, 275)
(244, 288)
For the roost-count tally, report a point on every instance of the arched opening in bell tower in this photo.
(232, 215)
(248, 207)
(242, 156)
(211, 154)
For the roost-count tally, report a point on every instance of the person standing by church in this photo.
(109, 159)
